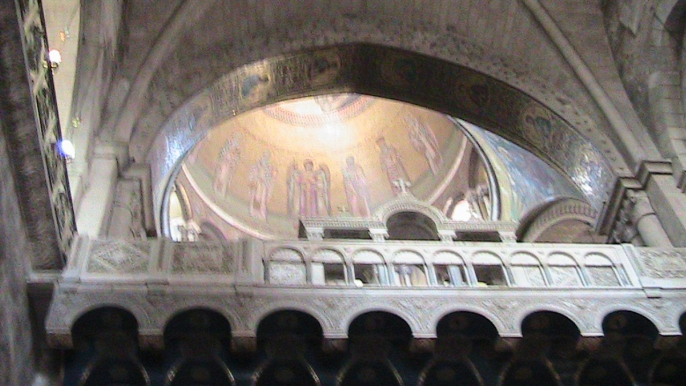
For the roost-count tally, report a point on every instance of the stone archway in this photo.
(390, 73)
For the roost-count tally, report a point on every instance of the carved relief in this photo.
(663, 263)
(117, 256)
(196, 258)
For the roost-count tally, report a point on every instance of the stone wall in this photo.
(26, 224)
(15, 327)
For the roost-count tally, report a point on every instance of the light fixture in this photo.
(66, 149)
(54, 58)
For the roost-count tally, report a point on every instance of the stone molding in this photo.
(109, 273)
(245, 306)
(567, 209)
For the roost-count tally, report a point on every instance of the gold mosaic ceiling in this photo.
(336, 155)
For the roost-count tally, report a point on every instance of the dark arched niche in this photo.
(629, 324)
(465, 324)
(411, 226)
(388, 73)
(380, 325)
(108, 323)
(197, 325)
(290, 324)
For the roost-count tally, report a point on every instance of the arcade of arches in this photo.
(478, 192)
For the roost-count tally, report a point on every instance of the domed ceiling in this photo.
(340, 155)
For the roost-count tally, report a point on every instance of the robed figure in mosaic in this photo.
(392, 165)
(261, 181)
(356, 190)
(308, 190)
(425, 142)
(227, 162)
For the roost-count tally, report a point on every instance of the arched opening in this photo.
(632, 336)
(468, 325)
(629, 324)
(380, 326)
(411, 226)
(108, 324)
(294, 328)
(107, 340)
(460, 332)
(445, 87)
(197, 342)
(553, 333)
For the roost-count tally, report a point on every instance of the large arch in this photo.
(395, 74)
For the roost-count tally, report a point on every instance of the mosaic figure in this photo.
(356, 190)
(227, 162)
(308, 190)
(392, 165)
(261, 181)
(425, 142)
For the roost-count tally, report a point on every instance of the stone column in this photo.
(96, 202)
(646, 221)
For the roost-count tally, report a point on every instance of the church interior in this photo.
(370, 192)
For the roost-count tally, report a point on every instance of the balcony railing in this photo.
(334, 281)
(370, 264)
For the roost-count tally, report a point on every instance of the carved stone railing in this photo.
(35, 43)
(156, 279)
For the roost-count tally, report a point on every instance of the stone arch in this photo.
(629, 323)
(550, 324)
(565, 220)
(592, 172)
(104, 317)
(468, 324)
(484, 313)
(384, 324)
(604, 312)
(197, 320)
(290, 322)
(322, 320)
(571, 320)
(409, 225)
(139, 315)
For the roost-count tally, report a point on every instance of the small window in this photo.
(369, 268)
(489, 270)
(328, 273)
(450, 275)
(410, 275)
(328, 268)
(370, 274)
(490, 275)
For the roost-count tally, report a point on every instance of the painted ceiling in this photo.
(339, 155)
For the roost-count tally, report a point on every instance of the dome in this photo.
(337, 155)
